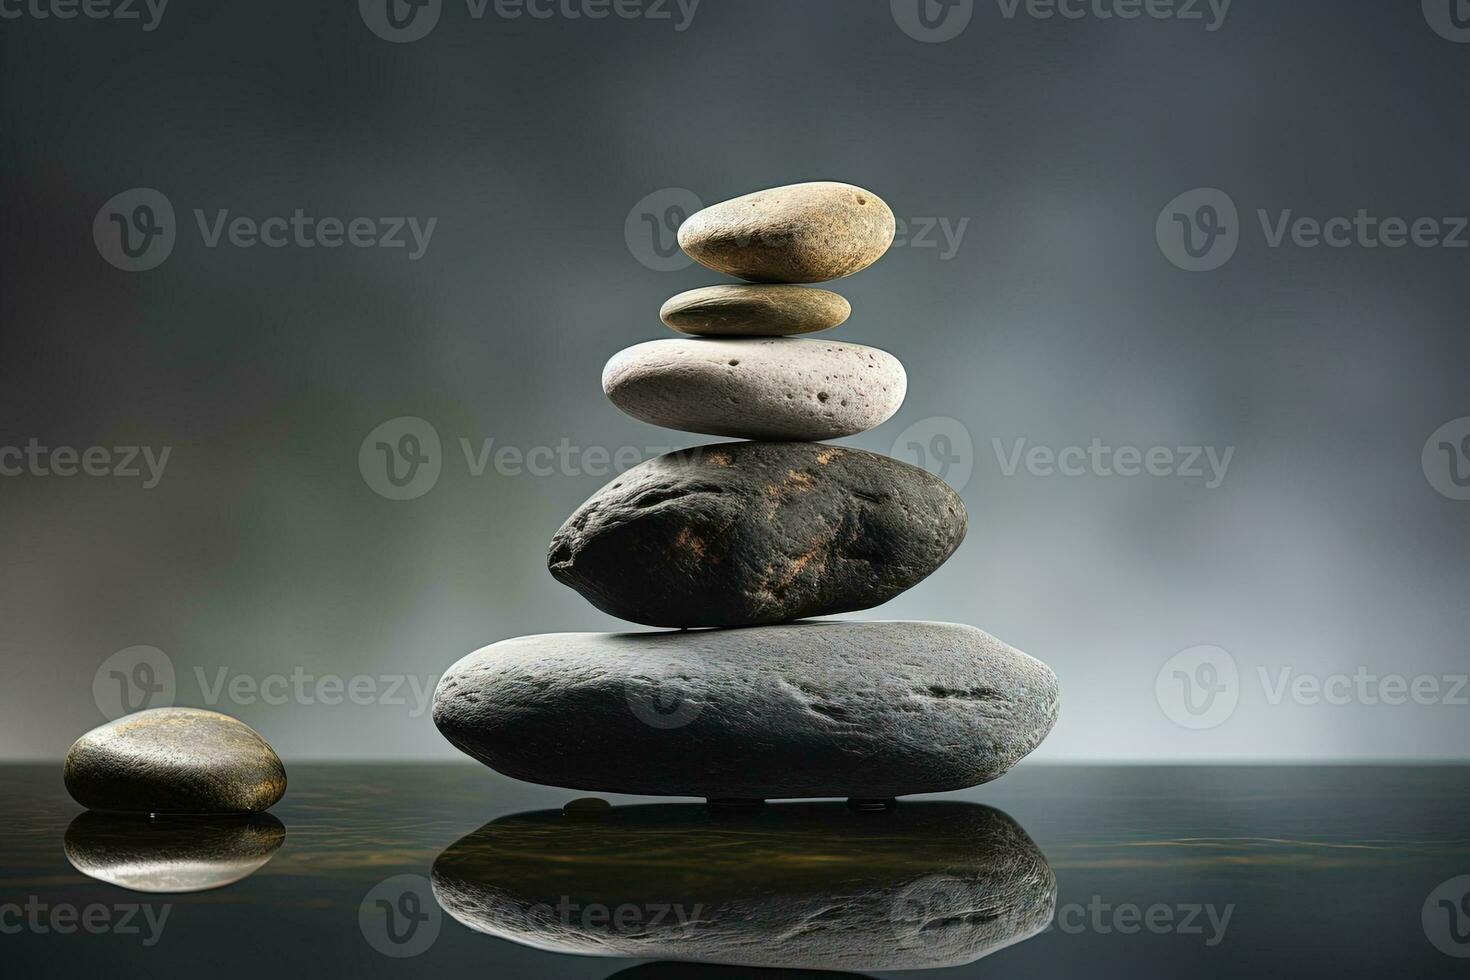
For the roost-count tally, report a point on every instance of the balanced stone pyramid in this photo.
(733, 543)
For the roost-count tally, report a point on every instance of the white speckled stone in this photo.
(776, 388)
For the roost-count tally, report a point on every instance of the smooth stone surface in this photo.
(747, 533)
(757, 388)
(174, 760)
(818, 709)
(754, 310)
(797, 886)
(171, 854)
(798, 233)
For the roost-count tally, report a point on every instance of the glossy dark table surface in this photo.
(368, 871)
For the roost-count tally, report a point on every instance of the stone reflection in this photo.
(171, 853)
(814, 886)
(706, 971)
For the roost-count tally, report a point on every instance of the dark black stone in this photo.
(750, 533)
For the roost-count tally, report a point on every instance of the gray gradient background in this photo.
(1057, 321)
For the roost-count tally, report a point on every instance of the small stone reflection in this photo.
(169, 853)
(799, 886)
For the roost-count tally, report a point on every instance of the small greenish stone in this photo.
(748, 310)
(174, 760)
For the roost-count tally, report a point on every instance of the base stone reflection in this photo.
(171, 854)
(816, 886)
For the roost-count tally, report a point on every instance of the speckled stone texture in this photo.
(798, 233)
(796, 886)
(171, 854)
(757, 387)
(174, 760)
(754, 310)
(823, 709)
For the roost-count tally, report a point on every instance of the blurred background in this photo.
(1100, 263)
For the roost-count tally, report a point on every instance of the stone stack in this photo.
(757, 534)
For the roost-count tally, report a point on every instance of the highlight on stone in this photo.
(174, 760)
